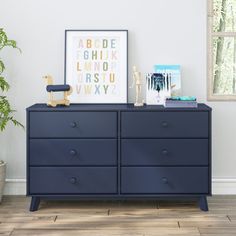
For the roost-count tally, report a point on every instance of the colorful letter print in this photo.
(96, 66)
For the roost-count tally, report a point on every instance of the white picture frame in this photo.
(96, 65)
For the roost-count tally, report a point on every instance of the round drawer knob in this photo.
(164, 152)
(164, 124)
(165, 180)
(73, 152)
(73, 125)
(73, 180)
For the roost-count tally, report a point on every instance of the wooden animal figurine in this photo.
(137, 80)
(67, 89)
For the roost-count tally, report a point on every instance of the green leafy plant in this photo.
(6, 112)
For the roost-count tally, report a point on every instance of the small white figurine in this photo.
(138, 86)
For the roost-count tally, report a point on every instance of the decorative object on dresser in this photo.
(51, 88)
(173, 72)
(137, 81)
(117, 151)
(181, 101)
(6, 111)
(96, 65)
(158, 88)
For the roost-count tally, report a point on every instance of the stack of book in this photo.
(183, 101)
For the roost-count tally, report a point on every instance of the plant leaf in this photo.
(4, 86)
(5, 42)
(12, 43)
(2, 67)
(6, 114)
(3, 38)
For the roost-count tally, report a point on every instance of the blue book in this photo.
(182, 98)
(174, 73)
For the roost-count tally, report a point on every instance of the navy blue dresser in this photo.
(118, 152)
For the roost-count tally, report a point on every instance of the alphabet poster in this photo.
(96, 66)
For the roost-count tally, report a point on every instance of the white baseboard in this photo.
(226, 186)
(15, 187)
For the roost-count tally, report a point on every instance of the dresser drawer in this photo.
(58, 152)
(164, 180)
(73, 180)
(164, 152)
(164, 124)
(73, 124)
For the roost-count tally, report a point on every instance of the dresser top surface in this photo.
(113, 107)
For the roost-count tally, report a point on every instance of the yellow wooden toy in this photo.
(67, 89)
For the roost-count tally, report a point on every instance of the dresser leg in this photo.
(34, 205)
(203, 203)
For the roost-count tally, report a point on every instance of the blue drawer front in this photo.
(164, 180)
(73, 124)
(67, 152)
(164, 125)
(175, 152)
(73, 180)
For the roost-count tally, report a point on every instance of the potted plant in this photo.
(6, 112)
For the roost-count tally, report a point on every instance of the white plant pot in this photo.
(2, 178)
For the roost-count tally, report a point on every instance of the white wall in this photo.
(160, 31)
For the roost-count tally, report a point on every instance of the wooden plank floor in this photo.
(139, 218)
